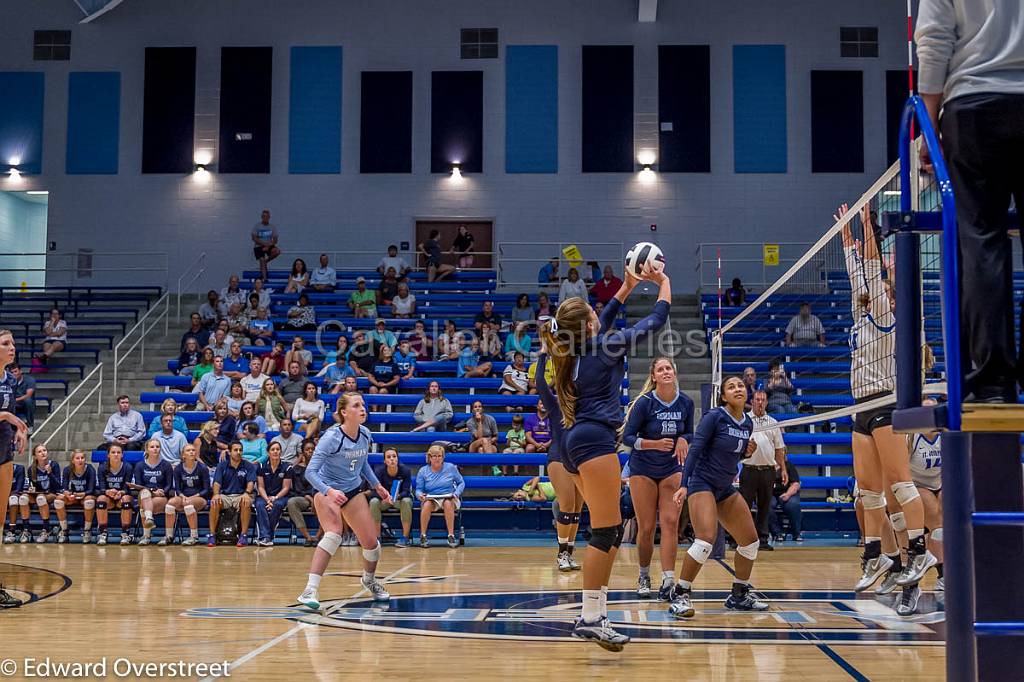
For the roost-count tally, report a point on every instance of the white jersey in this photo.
(873, 334)
(926, 462)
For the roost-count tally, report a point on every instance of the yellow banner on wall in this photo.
(771, 254)
(572, 254)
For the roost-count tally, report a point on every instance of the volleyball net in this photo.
(822, 335)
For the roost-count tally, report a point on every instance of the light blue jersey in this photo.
(340, 462)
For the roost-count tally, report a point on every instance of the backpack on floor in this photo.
(227, 527)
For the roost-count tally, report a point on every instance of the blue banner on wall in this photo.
(94, 120)
(531, 109)
(21, 120)
(314, 114)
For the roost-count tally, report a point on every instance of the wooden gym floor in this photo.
(483, 613)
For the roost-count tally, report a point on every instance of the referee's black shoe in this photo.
(7, 601)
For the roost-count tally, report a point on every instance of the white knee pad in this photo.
(905, 491)
(58, 503)
(700, 551)
(40, 501)
(89, 504)
(749, 551)
(330, 543)
(13, 500)
(23, 500)
(145, 494)
(898, 522)
(372, 554)
(936, 535)
(872, 499)
(170, 511)
(190, 510)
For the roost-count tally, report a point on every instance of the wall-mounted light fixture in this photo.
(456, 170)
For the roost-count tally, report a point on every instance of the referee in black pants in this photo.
(757, 478)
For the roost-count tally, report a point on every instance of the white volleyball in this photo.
(644, 253)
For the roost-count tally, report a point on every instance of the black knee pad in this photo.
(564, 518)
(620, 532)
(605, 538)
(101, 504)
(575, 518)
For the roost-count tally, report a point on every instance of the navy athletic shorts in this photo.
(638, 466)
(867, 421)
(699, 485)
(586, 441)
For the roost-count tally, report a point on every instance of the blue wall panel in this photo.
(759, 108)
(314, 114)
(94, 119)
(21, 120)
(531, 109)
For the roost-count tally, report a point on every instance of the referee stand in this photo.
(983, 522)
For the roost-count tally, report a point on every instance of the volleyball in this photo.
(644, 253)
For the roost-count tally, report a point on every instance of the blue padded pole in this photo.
(957, 505)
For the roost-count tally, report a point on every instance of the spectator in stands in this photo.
(171, 441)
(301, 316)
(340, 349)
(290, 442)
(264, 242)
(213, 386)
(252, 307)
(572, 287)
(196, 331)
(522, 311)
(483, 430)
(518, 342)
(787, 500)
(538, 430)
(382, 336)
(254, 446)
(206, 444)
(544, 305)
(252, 382)
(271, 404)
(515, 380)
(387, 289)
(233, 484)
(490, 344)
(462, 246)
(236, 398)
(470, 365)
(235, 364)
(262, 292)
(433, 411)
(363, 354)
(531, 373)
(308, 411)
(261, 329)
(403, 305)
(752, 383)
(735, 295)
(231, 294)
(204, 367)
(779, 389)
(324, 278)
(439, 485)
(55, 330)
(302, 492)
(805, 329)
(350, 385)
(238, 323)
(362, 302)
(548, 274)
(247, 415)
(384, 377)
(758, 473)
(405, 359)
(449, 344)
(189, 357)
(168, 407)
(430, 249)
(292, 386)
(605, 287)
(227, 426)
(397, 479)
(334, 374)
(393, 260)
(228, 338)
(213, 311)
(274, 364)
(488, 315)
(125, 427)
(220, 345)
(421, 342)
(24, 397)
(515, 444)
(273, 485)
(298, 353)
(298, 278)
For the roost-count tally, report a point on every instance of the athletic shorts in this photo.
(351, 494)
(231, 502)
(261, 251)
(5, 456)
(586, 441)
(699, 485)
(6, 443)
(655, 472)
(868, 420)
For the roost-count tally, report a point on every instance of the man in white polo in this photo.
(757, 478)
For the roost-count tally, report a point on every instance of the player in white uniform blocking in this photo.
(926, 469)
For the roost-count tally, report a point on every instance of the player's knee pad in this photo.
(372, 555)
(872, 499)
(101, 504)
(13, 500)
(700, 551)
(936, 535)
(58, 503)
(190, 510)
(748, 551)
(89, 504)
(330, 543)
(899, 523)
(905, 492)
(23, 500)
(604, 538)
(145, 494)
(563, 518)
(40, 501)
(574, 518)
(170, 511)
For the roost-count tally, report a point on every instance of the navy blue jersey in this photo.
(717, 447)
(652, 419)
(115, 480)
(601, 365)
(155, 477)
(194, 483)
(234, 479)
(300, 486)
(42, 481)
(403, 477)
(551, 405)
(385, 371)
(7, 395)
(18, 482)
(273, 479)
(83, 483)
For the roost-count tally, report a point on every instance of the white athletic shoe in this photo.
(888, 583)
(600, 633)
(101, 539)
(43, 537)
(144, 540)
(163, 542)
(189, 541)
(126, 539)
(940, 584)
(873, 570)
(916, 568)
(9, 537)
(643, 587)
(62, 537)
(376, 590)
(86, 537)
(26, 537)
(563, 562)
(573, 565)
(681, 606)
(907, 604)
(310, 599)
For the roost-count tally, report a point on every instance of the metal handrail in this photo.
(120, 356)
(198, 261)
(66, 262)
(71, 412)
(502, 260)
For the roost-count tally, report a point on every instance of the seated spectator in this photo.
(488, 315)
(247, 415)
(805, 329)
(430, 249)
(518, 342)
(396, 479)
(544, 306)
(220, 345)
(238, 323)
(252, 308)
(213, 386)
(387, 289)
(221, 326)
(439, 485)
(262, 292)
(572, 287)
(340, 348)
(350, 386)
(213, 311)
(308, 411)
(302, 492)
(274, 363)
(531, 373)
(433, 411)
(273, 486)
(362, 302)
(204, 367)
(254, 446)
(535, 490)
(298, 353)
(271, 405)
(290, 442)
(403, 305)
(171, 441)
(125, 427)
(787, 501)
(207, 448)
(384, 377)
(449, 344)
(55, 330)
(462, 247)
(515, 380)
(393, 260)
(236, 398)
(301, 316)
(607, 286)
(779, 389)
(324, 278)
(189, 358)
(522, 311)
(482, 428)
(515, 443)
(231, 294)
(236, 365)
(234, 483)
(293, 385)
(168, 407)
(490, 344)
(298, 278)
(227, 426)
(736, 295)
(548, 274)
(538, 430)
(334, 374)
(470, 364)
(405, 359)
(752, 383)
(252, 382)
(363, 354)
(264, 242)
(196, 331)
(261, 329)
(24, 397)
(382, 336)
(420, 341)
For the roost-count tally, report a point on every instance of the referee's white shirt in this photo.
(766, 441)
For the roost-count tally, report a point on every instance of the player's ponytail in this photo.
(563, 335)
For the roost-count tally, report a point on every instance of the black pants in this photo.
(756, 485)
(983, 142)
